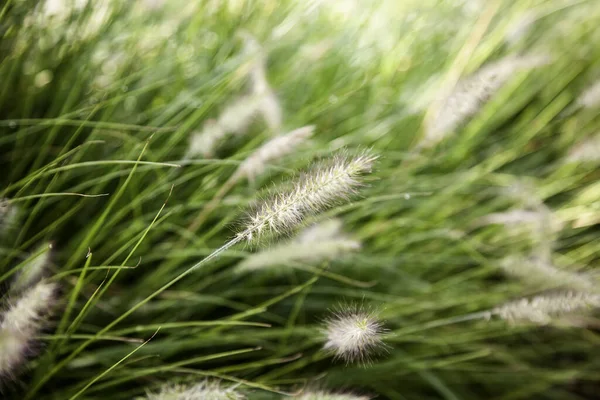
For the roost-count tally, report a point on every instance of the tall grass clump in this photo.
(188, 189)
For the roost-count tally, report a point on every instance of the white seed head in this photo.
(320, 395)
(327, 184)
(234, 119)
(541, 273)
(326, 230)
(304, 248)
(539, 220)
(20, 323)
(472, 92)
(204, 390)
(239, 114)
(543, 309)
(353, 334)
(586, 151)
(590, 98)
(205, 142)
(274, 149)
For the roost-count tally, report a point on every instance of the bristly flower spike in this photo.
(20, 323)
(321, 395)
(353, 334)
(542, 309)
(274, 149)
(204, 390)
(472, 92)
(325, 185)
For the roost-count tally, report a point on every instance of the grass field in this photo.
(131, 166)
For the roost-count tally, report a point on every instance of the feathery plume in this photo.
(238, 115)
(590, 98)
(205, 142)
(586, 151)
(539, 220)
(274, 149)
(542, 309)
(204, 390)
(472, 92)
(353, 334)
(541, 273)
(21, 322)
(314, 244)
(320, 395)
(234, 119)
(324, 186)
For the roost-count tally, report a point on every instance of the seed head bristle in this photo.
(325, 185)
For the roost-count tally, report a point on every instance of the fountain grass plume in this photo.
(21, 321)
(204, 390)
(322, 395)
(353, 334)
(274, 149)
(543, 309)
(327, 184)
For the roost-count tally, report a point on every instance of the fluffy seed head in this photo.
(238, 115)
(234, 119)
(353, 334)
(472, 92)
(204, 390)
(320, 395)
(541, 273)
(542, 309)
(325, 185)
(314, 244)
(205, 142)
(274, 149)
(20, 323)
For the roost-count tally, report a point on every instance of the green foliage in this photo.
(97, 108)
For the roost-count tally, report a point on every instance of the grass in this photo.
(97, 109)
